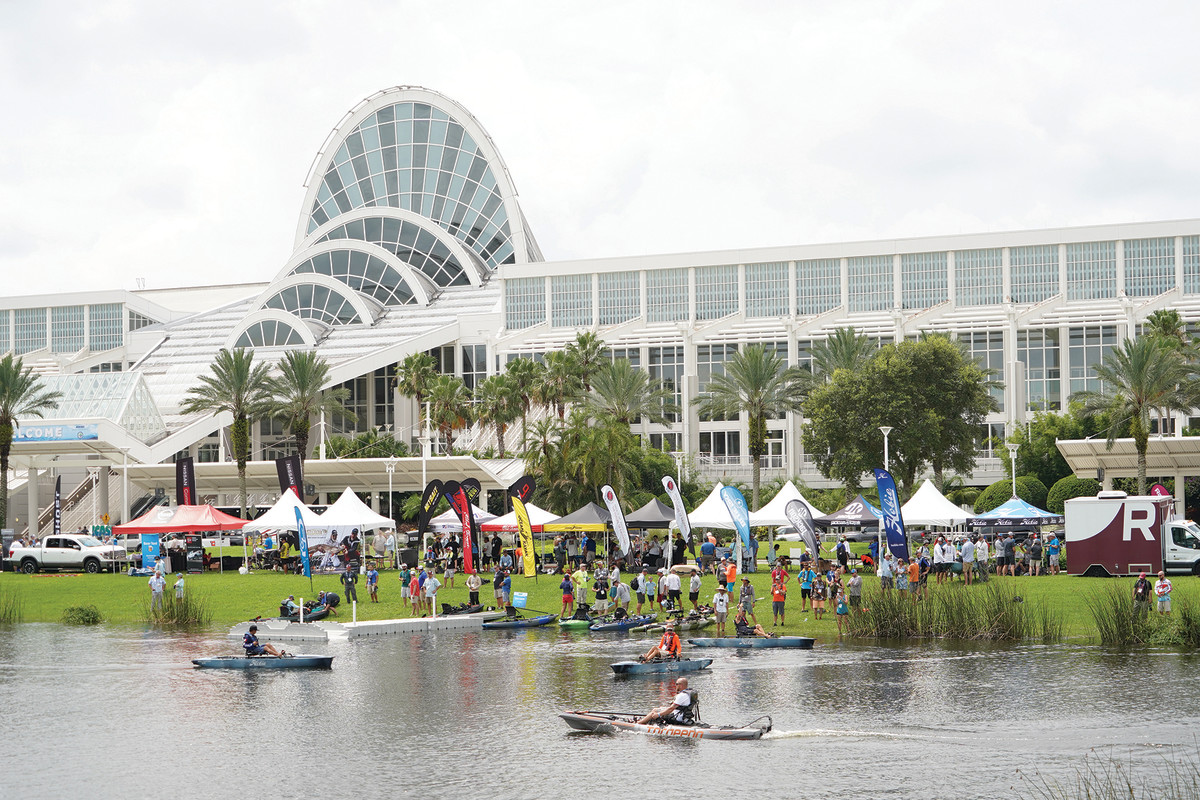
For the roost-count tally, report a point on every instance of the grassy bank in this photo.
(231, 597)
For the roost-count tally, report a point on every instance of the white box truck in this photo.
(1117, 534)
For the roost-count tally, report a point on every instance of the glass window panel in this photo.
(29, 330)
(1038, 350)
(1149, 266)
(666, 295)
(767, 289)
(1034, 273)
(922, 279)
(871, 283)
(666, 366)
(716, 292)
(66, 329)
(1087, 347)
(818, 286)
(1091, 270)
(978, 278)
(987, 348)
(524, 302)
(620, 297)
(570, 301)
(1191, 264)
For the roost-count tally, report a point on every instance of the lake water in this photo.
(120, 712)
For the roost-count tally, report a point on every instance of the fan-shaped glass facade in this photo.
(313, 301)
(362, 272)
(414, 156)
(269, 333)
(410, 242)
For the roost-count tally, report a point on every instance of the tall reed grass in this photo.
(11, 607)
(1120, 625)
(82, 615)
(1102, 777)
(990, 612)
(189, 611)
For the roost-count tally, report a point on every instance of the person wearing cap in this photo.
(854, 591)
(742, 628)
(730, 574)
(157, 583)
(746, 599)
(720, 604)
(668, 646)
(1141, 596)
(638, 584)
(179, 586)
(778, 598)
(252, 647)
(674, 589)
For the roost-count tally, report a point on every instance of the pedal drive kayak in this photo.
(608, 624)
(605, 722)
(661, 667)
(531, 622)
(265, 662)
(799, 642)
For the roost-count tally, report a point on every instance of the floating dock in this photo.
(274, 630)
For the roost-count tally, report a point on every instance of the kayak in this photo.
(607, 722)
(531, 622)
(799, 642)
(318, 613)
(685, 625)
(661, 666)
(449, 610)
(626, 624)
(575, 624)
(265, 662)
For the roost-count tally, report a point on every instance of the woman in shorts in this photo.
(820, 591)
(568, 597)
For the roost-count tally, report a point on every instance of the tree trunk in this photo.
(500, 439)
(240, 438)
(301, 430)
(6, 434)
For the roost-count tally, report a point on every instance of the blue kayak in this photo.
(663, 667)
(265, 662)
(607, 624)
(531, 622)
(799, 642)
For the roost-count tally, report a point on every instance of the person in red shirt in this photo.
(668, 646)
(778, 596)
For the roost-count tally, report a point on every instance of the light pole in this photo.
(885, 430)
(1012, 451)
(391, 468)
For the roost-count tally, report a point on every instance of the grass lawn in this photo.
(232, 597)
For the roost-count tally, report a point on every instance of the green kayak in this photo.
(575, 624)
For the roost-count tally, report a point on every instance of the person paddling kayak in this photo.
(253, 648)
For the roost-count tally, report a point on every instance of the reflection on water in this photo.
(119, 712)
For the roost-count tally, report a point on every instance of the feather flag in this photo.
(618, 517)
(520, 491)
(802, 520)
(681, 517)
(893, 522)
(740, 512)
(429, 500)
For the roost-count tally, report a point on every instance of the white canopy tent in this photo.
(282, 516)
(448, 522)
(929, 507)
(349, 511)
(712, 513)
(772, 513)
(508, 523)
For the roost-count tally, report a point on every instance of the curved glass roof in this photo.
(313, 301)
(414, 156)
(362, 272)
(412, 244)
(269, 333)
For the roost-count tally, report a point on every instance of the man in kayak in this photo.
(668, 646)
(682, 710)
(252, 647)
(743, 628)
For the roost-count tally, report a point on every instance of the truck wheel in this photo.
(29, 566)
(91, 566)
(1196, 569)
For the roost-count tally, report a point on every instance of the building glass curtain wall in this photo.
(667, 295)
(571, 301)
(620, 297)
(871, 286)
(1039, 351)
(818, 286)
(978, 280)
(666, 366)
(716, 292)
(923, 279)
(1087, 347)
(1034, 273)
(1149, 266)
(409, 242)
(767, 289)
(67, 329)
(1091, 270)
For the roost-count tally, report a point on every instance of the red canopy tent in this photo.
(181, 519)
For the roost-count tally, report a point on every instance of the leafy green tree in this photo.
(22, 395)
(368, 444)
(414, 377)
(1029, 489)
(526, 375)
(844, 349)
(626, 393)
(1037, 451)
(1069, 487)
(760, 384)
(241, 388)
(497, 405)
(298, 396)
(560, 383)
(587, 354)
(1138, 377)
(930, 392)
(571, 461)
(449, 407)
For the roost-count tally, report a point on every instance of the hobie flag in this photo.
(472, 490)
(519, 491)
(736, 503)
(302, 539)
(429, 501)
(801, 518)
(459, 502)
(681, 517)
(57, 506)
(893, 523)
(618, 518)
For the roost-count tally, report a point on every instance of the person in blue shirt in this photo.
(708, 553)
(806, 578)
(506, 586)
(252, 647)
(373, 583)
(289, 606)
(505, 561)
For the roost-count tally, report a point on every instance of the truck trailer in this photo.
(1117, 534)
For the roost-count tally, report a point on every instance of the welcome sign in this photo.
(56, 433)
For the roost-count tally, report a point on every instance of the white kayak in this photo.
(611, 722)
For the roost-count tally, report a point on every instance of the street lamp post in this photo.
(391, 468)
(885, 430)
(1012, 451)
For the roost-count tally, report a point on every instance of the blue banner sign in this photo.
(302, 538)
(893, 523)
(56, 433)
(739, 511)
(519, 599)
(150, 550)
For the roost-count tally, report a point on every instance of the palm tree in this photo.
(22, 394)
(758, 382)
(845, 349)
(298, 396)
(526, 375)
(414, 375)
(560, 383)
(1139, 376)
(449, 407)
(1168, 327)
(626, 394)
(241, 388)
(497, 405)
(588, 354)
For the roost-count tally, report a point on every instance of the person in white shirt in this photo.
(1162, 592)
(431, 588)
(981, 558)
(720, 604)
(674, 589)
(157, 584)
(694, 590)
(968, 555)
(887, 572)
(680, 712)
(179, 586)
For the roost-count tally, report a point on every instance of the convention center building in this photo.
(411, 238)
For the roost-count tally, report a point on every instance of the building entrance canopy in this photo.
(1164, 457)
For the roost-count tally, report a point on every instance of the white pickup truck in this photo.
(68, 551)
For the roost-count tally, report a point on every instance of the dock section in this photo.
(271, 630)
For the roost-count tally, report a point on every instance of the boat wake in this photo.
(829, 733)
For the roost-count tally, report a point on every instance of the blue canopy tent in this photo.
(1014, 514)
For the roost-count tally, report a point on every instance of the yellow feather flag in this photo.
(526, 534)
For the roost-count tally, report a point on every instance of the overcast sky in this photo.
(171, 141)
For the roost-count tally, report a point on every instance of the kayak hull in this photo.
(797, 642)
(265, 662)
(686, 625)
(531, 622)
(667, 667)
(622, 624)
(575, 624)
(314, 616)
(611, 723)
